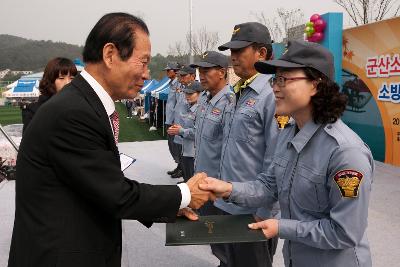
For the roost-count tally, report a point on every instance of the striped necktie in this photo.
(115, 124)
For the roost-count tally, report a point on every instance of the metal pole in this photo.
(190, 32)
(156, 112)
(163, 114)
(9, 138)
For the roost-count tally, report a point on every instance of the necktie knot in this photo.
(115, 125)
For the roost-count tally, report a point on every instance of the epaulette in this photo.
(230, 96)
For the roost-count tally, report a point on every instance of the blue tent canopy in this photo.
(153, 91)
(161, 84)
(25, 86)
(163, 95)
(78, 62)
(148, 85)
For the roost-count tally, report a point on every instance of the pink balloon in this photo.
(318, 36)
(319, 25)
(311, 38)
(315, 17)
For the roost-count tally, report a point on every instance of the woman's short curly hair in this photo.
(54, 68)
(328, 103)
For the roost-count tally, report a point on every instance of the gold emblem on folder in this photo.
(210, 226)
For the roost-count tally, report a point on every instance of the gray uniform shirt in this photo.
(187, 131)
(171, 102)
(322, 177)
(181, 109)
(249, 139)
(209, 130)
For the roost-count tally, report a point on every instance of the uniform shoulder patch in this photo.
(348, 182)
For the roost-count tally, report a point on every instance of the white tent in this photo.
(23, 89)
(28, 85)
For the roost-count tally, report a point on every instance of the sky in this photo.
(168, 20)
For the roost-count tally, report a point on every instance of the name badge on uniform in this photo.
(250, 102)
(216, 112)
(348, 182)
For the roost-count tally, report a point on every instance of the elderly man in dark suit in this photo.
(71, 193)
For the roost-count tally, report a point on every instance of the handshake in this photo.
(203, 189)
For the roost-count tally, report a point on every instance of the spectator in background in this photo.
(58, 72)
(129, 108)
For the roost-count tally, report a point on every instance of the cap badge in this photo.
(204, 55)
(235, 31)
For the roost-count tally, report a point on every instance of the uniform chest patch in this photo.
(191, 115)
(348, 182)
(250, 102)
(216, 112)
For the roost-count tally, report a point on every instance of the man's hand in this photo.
(174, 129)
(188, 213)
(218, 187)
(199, 197)
(269, 227)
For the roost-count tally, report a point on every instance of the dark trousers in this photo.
(241, 254)
(187, 165)
(129, 111)
(170, 139)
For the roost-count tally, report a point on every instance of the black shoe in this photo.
(177, 174)
(173, 171)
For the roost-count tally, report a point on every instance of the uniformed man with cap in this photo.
(321, 172)
(187, 76)
(186, 130)
(213, 67)
(215, 100)
(171, 70)
(250, 135)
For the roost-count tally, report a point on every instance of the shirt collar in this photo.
(174, 81)
(194, 107)
(105, 98)
(218, 96)
(260, 83)
(242, 84)
(300, 140)
(257, 83)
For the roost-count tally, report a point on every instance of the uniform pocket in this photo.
(280, 165)
(309, 190)
(242, 122)
(212, 127)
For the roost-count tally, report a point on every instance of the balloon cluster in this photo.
(315, 28)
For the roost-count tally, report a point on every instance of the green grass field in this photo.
(10, 115)
(131, 130)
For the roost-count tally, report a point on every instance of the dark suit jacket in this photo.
(70, 192)
(31, 109)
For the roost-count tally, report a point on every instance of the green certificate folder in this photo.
(212, 230)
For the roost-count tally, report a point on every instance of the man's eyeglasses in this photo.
(281, 81)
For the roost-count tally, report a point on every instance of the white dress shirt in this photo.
(109, 106)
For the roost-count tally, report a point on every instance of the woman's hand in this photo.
(269, 227)
(218, 187)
